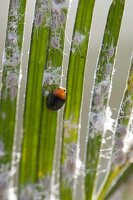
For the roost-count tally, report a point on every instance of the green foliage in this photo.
(43, 133)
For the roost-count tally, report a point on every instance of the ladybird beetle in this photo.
(56, 99)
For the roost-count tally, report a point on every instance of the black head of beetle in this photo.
(56, 99)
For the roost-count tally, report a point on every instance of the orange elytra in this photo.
(56, 99)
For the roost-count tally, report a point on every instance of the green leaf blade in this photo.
(75, 78)
(10, 74)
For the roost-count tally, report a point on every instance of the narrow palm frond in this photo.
(10, 75)
(44, 74)
(71, 166)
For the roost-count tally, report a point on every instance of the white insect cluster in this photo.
(3, 186)
(124, 144)
(2, 151)
(78, 39)
(72, 167)
(44, 17)
(40, 191)
(101, 121)
(70, 125)
(3, 175)
(11, 84)
(6, 191)
(51, 76)
(11, 56)
(100, 116)
(51, 14)
(128, 141)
